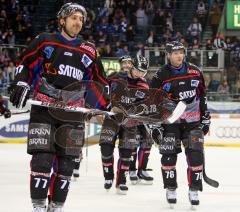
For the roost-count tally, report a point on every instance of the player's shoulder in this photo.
(45, 36)
(89, 48)
(163, 72)
(142, 80)
(142, 83)
(118, 75)
(193, 69)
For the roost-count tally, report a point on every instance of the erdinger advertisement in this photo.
(15, 129)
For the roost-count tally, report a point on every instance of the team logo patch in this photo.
(86, 61)
(139, 94)
(48, 51)
(181, 83)
(194, 83)
(191, 71)
(167, 87)
(88, 48)
(68, 54)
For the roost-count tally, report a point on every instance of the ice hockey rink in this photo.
(87, 194)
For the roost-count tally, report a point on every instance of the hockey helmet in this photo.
(69, 8)
(174, 46)
(125, 58)
(140, 63)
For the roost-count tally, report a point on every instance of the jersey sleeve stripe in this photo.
(178, 78)
(99, 76)
(99, 96)
(36, 62)
(91, 73)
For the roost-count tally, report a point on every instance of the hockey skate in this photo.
(55, 207)
(171, 196)
(75, 174)
(122, 189)
(39, 205)
(133, 177)
(193, 198)
(108, 184)
(144, 177)
(39, 209)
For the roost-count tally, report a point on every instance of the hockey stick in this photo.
(178, 111)
(18, 113)
(208, 180)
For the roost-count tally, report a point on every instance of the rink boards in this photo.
(224, 130)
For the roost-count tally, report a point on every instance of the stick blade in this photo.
(178, 111)
(210, 181)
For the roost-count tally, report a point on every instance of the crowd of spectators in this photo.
(126, 27)
(15, 28)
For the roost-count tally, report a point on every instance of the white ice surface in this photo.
(88, 195)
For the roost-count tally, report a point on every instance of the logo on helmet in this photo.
(140, 63)
(174, 46)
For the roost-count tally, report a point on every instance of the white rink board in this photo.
(224, 130)
(14, 129)
(88, 195)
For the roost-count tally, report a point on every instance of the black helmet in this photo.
(174, 46)
(69, 8)
(125, 58)
(140, 63)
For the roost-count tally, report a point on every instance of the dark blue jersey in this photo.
(185, 83)
(60, 62)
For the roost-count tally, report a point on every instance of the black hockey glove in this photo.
(7, 114)
(205, 123)
(157, 133)
(19, 94)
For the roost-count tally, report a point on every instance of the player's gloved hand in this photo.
(120, 114)
(7, 114)
(157, 133)
(19, 94)
(205, 122)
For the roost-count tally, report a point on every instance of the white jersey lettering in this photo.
(70, 71)
(187, 94)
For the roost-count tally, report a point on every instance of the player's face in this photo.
(176, 58)
(73, 23)
(137, 74)
(126, 65)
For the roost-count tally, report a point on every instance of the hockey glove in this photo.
(7, 114)
(20, 94)
(205, 123)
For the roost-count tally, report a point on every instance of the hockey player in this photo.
(111, 128)
(183, 81)
(3, 109)
(52, 62)
(141, 153)
(125, 63)
(143, 138)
